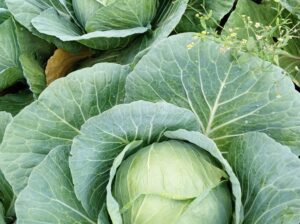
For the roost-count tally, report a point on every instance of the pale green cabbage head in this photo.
(99, 24)
(101, 15)
(165, 181)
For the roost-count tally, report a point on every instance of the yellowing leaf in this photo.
(62, 62)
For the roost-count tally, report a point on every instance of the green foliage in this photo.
(270, 30)
(102, 25)
(186, 100)
(22, 60)
(199, 127)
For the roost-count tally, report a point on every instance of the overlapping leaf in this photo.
(103, 137)
(230, 94)
(103, 25)
(49, 196)
(270, 178)
(56, 117)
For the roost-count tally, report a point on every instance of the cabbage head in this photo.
(162, 182)
(98, 24)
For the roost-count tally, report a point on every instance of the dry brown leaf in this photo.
(62, 62)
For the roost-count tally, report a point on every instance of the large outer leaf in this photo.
(49, 196)
(103, 137)
(229, 95)
(270, 178)
(49, 22)
(56, 117)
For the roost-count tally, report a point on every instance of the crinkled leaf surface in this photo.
(230, 94)
(270, 178)
(103, 137)
(56, 117)
(49, 196)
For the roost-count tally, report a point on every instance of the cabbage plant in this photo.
(195, 133)
(98, 24)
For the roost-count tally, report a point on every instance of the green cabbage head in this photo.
(95, 15)
(164, 181)
(98, 24)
